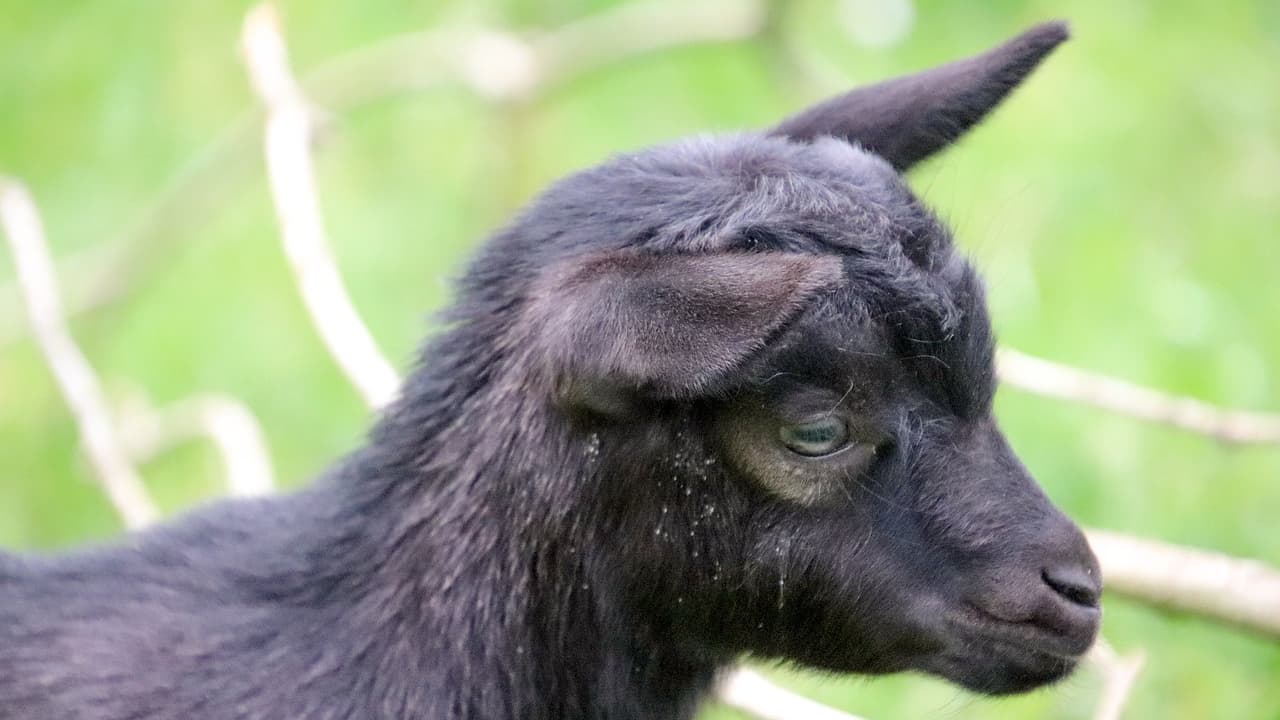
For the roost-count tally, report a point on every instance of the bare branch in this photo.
(110, 271)
(500, 65)
(636, 29)
(13, 320)
(76, 379)
(1238, 591)
(1119, 675)
(1044, 377)
(223, 420)
(495, 64)
(288, 150)
(754, 694)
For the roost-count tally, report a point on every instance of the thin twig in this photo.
(638, 29)
(1119, 676)
(502, 66)
(1233, 590)
(82, 264)
(221, 419)
(494, 64)
(1044, 377)
(123, 262)
(754, 694)
(288, 150)
(75, 377)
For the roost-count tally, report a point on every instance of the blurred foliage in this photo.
(1124, 206)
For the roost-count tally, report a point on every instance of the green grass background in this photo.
(1124, 207)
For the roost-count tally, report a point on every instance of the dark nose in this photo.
(1077, 582)
(1071, 570)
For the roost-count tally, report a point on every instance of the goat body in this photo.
(723, 397)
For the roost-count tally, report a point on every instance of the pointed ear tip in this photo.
(1048, 35)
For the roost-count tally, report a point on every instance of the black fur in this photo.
(907, 119)
(580, 507)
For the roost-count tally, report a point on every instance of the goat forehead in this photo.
(948, 341)
(830, 184)
(935, 328)
(710, 193)
(754, 155)
(702, 194)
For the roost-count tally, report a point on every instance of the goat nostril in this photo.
(1077, 583)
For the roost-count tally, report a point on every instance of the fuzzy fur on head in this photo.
(673, 311)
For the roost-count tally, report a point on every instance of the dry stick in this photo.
(501, 65)
(1119, 675)
(110, 271)
(76, 379)
(487, 61)
(753, 693)
(1061, 381)
(223, 420)
(497, 65)
(288, 150)
(82, 264)
(1234, 590)
(635, 29)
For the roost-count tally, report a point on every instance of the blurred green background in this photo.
(1124, 207)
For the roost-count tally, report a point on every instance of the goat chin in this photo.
(723, 397)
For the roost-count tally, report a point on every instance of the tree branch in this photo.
(1119, 676)
(288, 151)
(752, 693)
(495, 64)
(224, 421)
(1045, 377)
(75, 377)
(638, 29)
(1233, 590)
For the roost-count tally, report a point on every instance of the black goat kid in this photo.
(725, 397)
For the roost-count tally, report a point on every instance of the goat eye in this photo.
(816, 437)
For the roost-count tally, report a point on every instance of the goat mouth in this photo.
(974, 623)
(997, 657)
(998, 668)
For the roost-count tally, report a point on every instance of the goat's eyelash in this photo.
(852, 384)
(777, 375)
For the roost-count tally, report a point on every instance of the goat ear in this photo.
(907, 119)
(621, 326)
